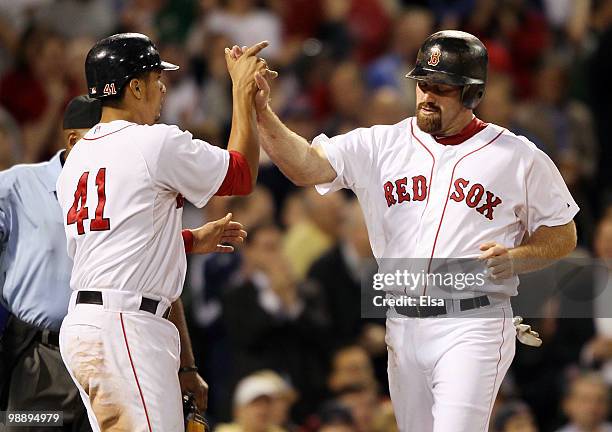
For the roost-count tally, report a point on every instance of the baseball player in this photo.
(121, 191)
(441, 185)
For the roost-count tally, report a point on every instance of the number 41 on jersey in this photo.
(78, 214)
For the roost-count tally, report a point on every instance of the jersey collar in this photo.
(102, 129)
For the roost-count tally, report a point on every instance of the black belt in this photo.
(431, 311)
(48, 337)
(95, 297)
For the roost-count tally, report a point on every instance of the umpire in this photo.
(35, 289)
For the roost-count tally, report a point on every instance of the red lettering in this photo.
(400, 186)
(474, 195)
(459, 194)
(389, 194)
(492, 201)
(100, 223)
(419, 188)
(76, 214)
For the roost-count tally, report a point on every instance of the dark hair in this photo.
(115, 101)
(334, 413)
(349, 389)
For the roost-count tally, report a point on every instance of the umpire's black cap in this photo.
(113, 61)
(82, 112)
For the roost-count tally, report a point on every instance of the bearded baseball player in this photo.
(121, 191)
(441, 185)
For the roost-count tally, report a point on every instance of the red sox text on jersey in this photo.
(474, 196)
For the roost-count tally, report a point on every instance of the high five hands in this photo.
(261, 76)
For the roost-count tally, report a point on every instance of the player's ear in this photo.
(136, 86)
(71, 139)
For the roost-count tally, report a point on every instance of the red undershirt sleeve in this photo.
(238, 178)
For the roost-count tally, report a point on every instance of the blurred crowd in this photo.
(276, 326)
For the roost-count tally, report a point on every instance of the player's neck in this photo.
(110, 114)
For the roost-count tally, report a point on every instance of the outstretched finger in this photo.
(234, 233)
(255, 49)
(235, 225)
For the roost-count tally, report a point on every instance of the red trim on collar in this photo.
(473, 127)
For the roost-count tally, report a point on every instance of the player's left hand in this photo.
(193, 383)
(218, 236)
(498, 260)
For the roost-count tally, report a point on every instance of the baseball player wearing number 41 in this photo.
(442, 185)
(121, 192)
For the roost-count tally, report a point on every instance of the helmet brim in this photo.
(420, 73)
(168, 66)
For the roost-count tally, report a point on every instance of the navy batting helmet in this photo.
(113, 61)
(454, 58)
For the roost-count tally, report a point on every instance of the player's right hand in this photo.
(262, 79)
(242, 69)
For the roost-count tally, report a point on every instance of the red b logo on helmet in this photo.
(434, 59)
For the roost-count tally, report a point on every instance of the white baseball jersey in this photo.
(121, 192)
(423, 199)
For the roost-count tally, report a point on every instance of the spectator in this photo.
(244, 24)
(11, 150)
(88, 18)
(285, 326)
(348, 97)
(284, 399)
(598, 351)
(386, 107)
(587, 405)
(36, 91)
(361, 400)
(411, 28)
(317, 232)
(369, 413)
(209, 278)
(598, 72)
(335, 417)
(514, 416)
(339, 274)
(564, 129)
(351, 366)
(499, 104)
(255, 404)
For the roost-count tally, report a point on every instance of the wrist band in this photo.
(187, 240)
(188, 369)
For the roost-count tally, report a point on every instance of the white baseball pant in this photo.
(444, 373)
(125, 364)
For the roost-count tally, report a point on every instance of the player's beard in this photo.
(429, 123)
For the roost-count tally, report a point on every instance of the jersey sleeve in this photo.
(351, 155)
(548, 201)
(189, 166)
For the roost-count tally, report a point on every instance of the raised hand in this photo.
(262, 79)
(242, 69)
